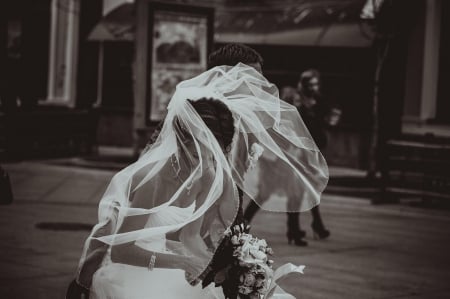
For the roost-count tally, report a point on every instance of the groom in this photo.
(230, 54)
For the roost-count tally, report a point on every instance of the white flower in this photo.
(269, 251)
(262, 242)
(256, 151)
(227, 232)
(249, 279)
(258, 255)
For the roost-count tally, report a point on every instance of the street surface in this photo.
(375, 251)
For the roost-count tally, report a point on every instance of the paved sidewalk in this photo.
(381, 251)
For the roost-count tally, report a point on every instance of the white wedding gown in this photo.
(121, 281)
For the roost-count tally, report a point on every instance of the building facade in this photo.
(63, 80)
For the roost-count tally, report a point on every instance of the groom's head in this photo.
(232, 54)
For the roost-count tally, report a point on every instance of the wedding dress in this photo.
(121, 281)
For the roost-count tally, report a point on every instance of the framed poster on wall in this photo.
(179, 40)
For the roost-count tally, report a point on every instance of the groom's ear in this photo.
(257, 66)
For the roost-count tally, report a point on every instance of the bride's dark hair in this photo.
(217, 117)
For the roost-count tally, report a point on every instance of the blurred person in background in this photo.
(317, 113)
(318, 116)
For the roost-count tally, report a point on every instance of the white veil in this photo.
(176, 192)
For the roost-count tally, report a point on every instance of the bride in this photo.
(162, 219)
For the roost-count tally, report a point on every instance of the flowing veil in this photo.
(199, 182)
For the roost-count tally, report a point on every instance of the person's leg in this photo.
(294, 232)
(250, 211)
(262, 196)
(319, 229)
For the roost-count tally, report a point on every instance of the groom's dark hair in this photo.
(232, 54)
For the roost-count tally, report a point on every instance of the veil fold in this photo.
(185, 187)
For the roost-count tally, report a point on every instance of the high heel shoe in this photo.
(297, 237)
(320, 232)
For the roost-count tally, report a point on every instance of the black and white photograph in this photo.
(224, 149)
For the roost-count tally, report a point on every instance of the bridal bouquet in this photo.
(249, 273)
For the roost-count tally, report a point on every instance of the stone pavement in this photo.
(375, 251)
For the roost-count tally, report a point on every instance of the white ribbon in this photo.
(275, 291)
